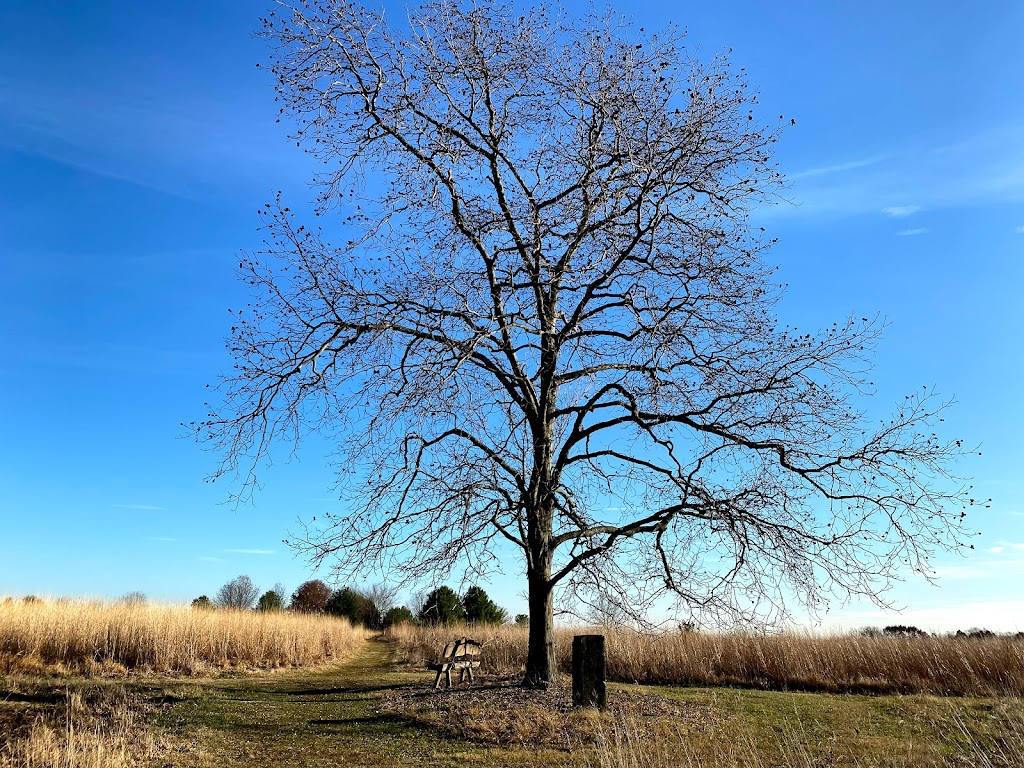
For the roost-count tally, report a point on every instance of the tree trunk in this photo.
(541, 664)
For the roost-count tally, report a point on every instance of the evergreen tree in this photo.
(481, 609)
(270, 601)
(399, 615)
(442, 606)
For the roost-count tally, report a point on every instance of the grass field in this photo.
(827, 663)
(374, 710)
(180, 689)
(92, 637)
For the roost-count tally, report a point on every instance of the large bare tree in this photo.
(538, 320)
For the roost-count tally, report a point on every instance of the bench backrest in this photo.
(461, 649)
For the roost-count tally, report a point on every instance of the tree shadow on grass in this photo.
(377, 719)
(349, 689)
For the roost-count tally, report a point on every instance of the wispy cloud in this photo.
(823, 170)
(167, 143)
(901, 211)
(210, 559)
(1019, 230)
(986, 167)
(250, 551)
(139, 507)
(1005, 564)
(912, 232)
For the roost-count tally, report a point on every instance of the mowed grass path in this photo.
(322, 718)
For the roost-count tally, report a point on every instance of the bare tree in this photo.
(545, 324)
(239, 593)
(382, 597)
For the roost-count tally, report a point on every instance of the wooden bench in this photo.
(462, 654)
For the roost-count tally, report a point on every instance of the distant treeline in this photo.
(901, 630)
(372, 607)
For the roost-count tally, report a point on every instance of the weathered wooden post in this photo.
(588, 689)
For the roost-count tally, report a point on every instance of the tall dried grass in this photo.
(85, 733)
(790, 661)
(88, 637)
(626, 744)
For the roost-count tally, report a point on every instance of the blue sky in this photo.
(137, 141)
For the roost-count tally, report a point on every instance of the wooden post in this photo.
(588, 689)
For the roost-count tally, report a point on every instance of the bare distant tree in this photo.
(382, 597)
(545, 323)
(417, 600)
(133, 598)
(239, 593)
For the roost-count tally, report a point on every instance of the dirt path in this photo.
(324, 718)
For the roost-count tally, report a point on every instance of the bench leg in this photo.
(437, 680)
(470, 671)
(448, 677)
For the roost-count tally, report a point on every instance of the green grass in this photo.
(337, 716)
(318, 719)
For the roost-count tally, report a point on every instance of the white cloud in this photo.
(1019, 230)
(901, 211)
(995, 550)
(987, 167)
(912, 232)
(208, 559)
(250, 551)
(837, 168)
(139, 507)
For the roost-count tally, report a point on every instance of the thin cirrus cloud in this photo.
(1003, 546)
(912, 232)
(211, 559)
(825, 170)
(901, 211)
(986, 167)
(240, 551)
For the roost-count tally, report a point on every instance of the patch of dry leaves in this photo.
(499, 711)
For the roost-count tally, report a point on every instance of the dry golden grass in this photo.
(102, 728)
(789, 661)
(624, 743)
(91, 637)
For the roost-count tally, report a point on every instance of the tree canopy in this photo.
(481, 609)
(442, 606)
(544, 322)
(239, 593)
(311, 596)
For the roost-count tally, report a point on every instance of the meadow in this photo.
(94, 637)
(91, 685)
(941, 666)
